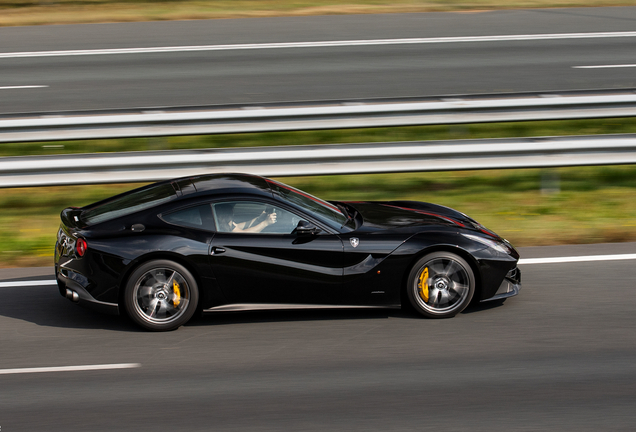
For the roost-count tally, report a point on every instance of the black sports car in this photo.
(162, 252)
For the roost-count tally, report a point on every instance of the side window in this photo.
(194, 217)
(253, 217)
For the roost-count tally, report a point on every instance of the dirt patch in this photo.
(75, 12)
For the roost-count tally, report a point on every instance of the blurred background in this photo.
(560, 356)
(530, 207)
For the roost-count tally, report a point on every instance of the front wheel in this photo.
(440, 285)
(161, 295)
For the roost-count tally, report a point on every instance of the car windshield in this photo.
(326, 211)
(129, 203)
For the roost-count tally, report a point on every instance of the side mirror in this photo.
(306, 228)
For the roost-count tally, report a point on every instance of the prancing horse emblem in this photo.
(354, 241)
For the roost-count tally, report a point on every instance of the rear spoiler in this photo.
(70, 217)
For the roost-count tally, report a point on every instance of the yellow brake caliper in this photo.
(423, 284)
(176, 299)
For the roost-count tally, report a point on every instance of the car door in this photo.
(268, 262)
(368, 277)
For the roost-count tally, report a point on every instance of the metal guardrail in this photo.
(320, 159)
(321, 116)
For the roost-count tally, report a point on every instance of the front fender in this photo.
(489, 265)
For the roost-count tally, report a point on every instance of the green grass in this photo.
(37, 12)
(594, 204)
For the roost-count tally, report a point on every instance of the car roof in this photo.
(213, 184)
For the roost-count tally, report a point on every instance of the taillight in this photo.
(81, 246)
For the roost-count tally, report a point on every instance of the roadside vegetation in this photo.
(37, 12)
(589, 205)
(528, 207)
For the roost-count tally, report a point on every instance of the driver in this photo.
(225, 215)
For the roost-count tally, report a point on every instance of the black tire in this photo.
(440, 285)
(161, 295)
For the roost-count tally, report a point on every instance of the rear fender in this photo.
(209, 293)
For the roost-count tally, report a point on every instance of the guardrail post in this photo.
(550, 182)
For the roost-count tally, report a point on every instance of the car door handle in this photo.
(216, 250)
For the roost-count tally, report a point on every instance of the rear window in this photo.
(132, 202)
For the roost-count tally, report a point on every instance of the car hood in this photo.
(408, 214)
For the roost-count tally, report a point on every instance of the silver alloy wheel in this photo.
(161, 296)
(441, 285)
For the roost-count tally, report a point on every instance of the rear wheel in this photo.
(441, 285)
(161, 295)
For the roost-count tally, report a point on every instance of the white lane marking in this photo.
(69, 368)
(27, 283)
(22, 87)
(577, 259)
(605, 66)
(320, 44)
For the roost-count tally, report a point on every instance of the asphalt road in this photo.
(253, 76)
(560, 356)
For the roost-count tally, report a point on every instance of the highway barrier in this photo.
(319, 159)
(318, 115)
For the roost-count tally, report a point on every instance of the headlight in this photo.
(496, 245)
